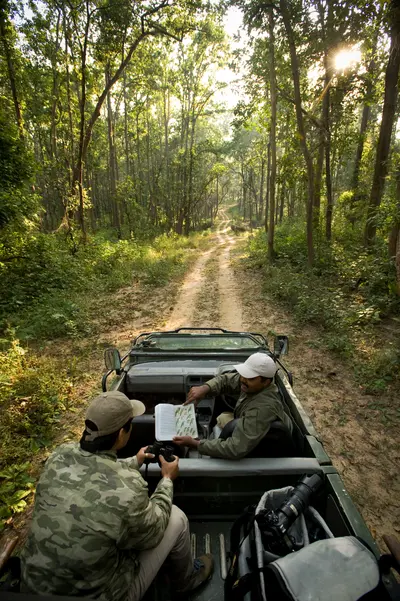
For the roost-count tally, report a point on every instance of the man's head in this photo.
(256, 373)
(109, 421)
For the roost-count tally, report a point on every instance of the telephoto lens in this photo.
(298, 501)
(274, 524)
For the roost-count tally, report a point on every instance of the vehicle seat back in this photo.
(278, 442)
(143, 434)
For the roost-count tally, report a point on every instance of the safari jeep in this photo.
(161, 367)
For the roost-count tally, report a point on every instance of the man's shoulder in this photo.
(272, 391)
(70, 461)
(231, 376)
(270, 395)
(93, 476)
(62, 452)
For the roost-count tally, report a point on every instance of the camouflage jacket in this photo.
(256, 413)
(92, 517)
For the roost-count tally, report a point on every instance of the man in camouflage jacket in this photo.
(95, 532)
(257, 407)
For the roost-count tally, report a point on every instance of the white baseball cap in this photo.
(258, 364)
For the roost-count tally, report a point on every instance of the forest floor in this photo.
(219, 290)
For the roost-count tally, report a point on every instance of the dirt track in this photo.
(220, 291)
(217, 293)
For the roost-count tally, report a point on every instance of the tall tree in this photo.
(272, 141)
(388, 114)
(300, 126)
(7, 35)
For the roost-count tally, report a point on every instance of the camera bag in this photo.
(326, 570)
(331, 569)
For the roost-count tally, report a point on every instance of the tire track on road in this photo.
(209, 294)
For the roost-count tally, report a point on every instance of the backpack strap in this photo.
(239, 532)
(246, 520)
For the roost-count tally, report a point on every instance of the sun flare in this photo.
(347, 58)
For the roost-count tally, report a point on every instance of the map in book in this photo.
(175, 420)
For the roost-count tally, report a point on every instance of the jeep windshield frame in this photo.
(200, 341)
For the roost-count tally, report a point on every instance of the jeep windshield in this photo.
(201, 342)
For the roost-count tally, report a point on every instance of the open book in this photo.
(175, 420)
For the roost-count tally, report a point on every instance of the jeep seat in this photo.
(278, 442)
(143, 434)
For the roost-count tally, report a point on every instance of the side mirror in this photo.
(112, 359)
(281, 345)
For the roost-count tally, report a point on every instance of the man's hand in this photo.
(142, 456)
(186, 441)
(196, 393)
(169, 469)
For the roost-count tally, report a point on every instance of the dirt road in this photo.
(209, 295)
(219, 292)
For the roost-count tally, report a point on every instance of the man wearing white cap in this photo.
(258, 406)
(95, 532)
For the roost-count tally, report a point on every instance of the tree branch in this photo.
(309, 116)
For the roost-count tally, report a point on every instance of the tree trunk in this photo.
(282, 201)
(138, 163)
(366, 113)
(53, 129)
(272, 176)
(394, 235)
(112, 164)
(398, 262)
(300, 127)
(328, 176)
(266, 221)
(261, 197)
(318, 180)
(292, 201)
(361, 140)
(126, 139)
(77, 180)
(277, 195)
(69, 103)
(5, 25)
(385, 133)
(166, 118)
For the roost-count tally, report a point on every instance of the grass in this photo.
(69, 300)
(34, 392)
(347, 298)
(55, 295)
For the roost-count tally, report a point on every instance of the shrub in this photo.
(34, 393)
(346, 292)
(48, 294)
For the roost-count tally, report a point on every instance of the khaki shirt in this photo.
(256, 412)
(92, 517)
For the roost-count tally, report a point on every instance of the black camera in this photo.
(160, 448)
(274, 524)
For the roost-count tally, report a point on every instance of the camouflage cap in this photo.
(110, 411)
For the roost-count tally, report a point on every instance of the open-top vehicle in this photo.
(161, 367)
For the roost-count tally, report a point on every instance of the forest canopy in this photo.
(117, 117)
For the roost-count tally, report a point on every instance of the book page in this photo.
(165, 422)
(185, 417)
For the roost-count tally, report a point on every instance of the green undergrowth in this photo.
(348, 295)
(51, 293)
(35, 393)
